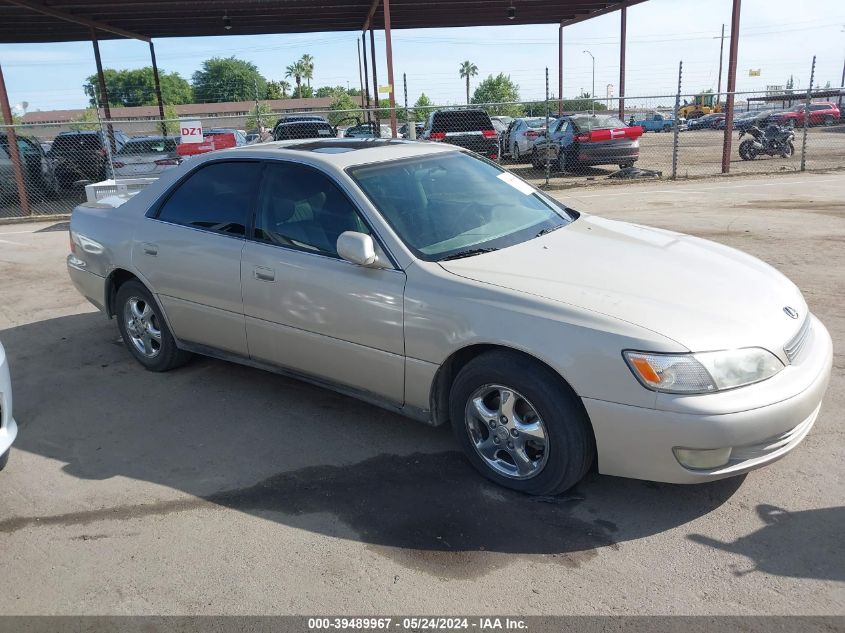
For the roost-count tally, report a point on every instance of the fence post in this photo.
(105, 128)
(807, 114)
(14, 153)
(675, 123)
(410, 122)
(548, 138)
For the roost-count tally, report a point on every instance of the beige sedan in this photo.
(428, 280)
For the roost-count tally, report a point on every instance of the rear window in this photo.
(536, 122)
(588, 123)
(76, 143)
(150, 146)
(303, 129)
(461, 121)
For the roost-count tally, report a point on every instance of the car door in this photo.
(189, 253)
(308, 310)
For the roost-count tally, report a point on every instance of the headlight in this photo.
(705, 372)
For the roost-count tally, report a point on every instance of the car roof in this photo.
(339, 153)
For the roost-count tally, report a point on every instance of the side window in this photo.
(302, 208)
(219, 197)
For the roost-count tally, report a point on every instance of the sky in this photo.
(775, 37)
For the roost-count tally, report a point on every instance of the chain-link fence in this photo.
(662, 136)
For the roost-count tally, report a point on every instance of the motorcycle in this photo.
(775, 141)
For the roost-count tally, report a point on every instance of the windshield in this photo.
(444, 204)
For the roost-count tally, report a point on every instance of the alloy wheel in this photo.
(142, 327)
(507, 431)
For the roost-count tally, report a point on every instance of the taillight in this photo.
(584, 137)
(489, 133)
(72, 245)
(118, 164)
(167, 161)
(532, 134)
(437, 136)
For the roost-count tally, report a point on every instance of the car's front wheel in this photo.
(144, 329)
(519, 424)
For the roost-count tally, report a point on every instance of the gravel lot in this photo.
(222, 489)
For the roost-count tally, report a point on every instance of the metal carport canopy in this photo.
(28, 21)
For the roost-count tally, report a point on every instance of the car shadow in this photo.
(234, 437)
(804, 544)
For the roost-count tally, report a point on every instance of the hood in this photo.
(702, 295)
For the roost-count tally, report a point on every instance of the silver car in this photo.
(425, 279)
(523, 134)
(146, 156)
(8, 427)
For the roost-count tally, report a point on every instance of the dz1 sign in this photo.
(191, 131)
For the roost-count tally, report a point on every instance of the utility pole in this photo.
(721, 55)
(593, 93)
(257, 107)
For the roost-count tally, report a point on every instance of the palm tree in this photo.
(308, 64)
(296, 70)
(468, 69)
(285, 86)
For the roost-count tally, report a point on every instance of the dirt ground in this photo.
(219, 489)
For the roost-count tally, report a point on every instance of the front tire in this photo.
(788, 150)
(746, 150)
(144, 329)
(519, 425)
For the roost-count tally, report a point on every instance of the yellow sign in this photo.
(753, 73)
(385, 90)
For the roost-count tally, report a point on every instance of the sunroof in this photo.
(341, 146)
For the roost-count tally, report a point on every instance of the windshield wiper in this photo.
(468, 253)
(549, 229)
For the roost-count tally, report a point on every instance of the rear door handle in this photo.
(264, 274)
(150, 249)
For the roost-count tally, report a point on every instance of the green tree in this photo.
(329, 91)
(308, 67)
(502, 92)
(285, 89)
(259, 115)
(341, 108)
(274, 90)
(297, 70)
(228, 79)
(171, 120)
(87, 121)
(467, 70)
(136, 87)
(422, 108)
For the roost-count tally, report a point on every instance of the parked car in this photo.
(368, 129)
(501, 122)
(8, 427)
(707, 121)
(470, 129)
(418, 128)
(427, 280)
(522, 134)
(753, 118)
(240, 135)
(38, 174)
(821, 113)
(656, 122)
(301, 129)
(146, 156)
(582, 140)
(295, 118)
(82, 155)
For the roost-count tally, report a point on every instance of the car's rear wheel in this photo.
(667, 128)
(829, 120)
(519, 425)
(515, 153)
(144, 329)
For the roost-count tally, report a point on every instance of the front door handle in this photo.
(150, 249)
(264, 274)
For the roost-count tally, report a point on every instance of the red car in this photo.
(822, 113)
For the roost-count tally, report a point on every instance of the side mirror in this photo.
(357, 248)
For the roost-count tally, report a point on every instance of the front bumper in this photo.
(638, 442)
(8, 428)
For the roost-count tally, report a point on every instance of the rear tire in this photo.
(828, 121)
(519, 425)
(667, 128)
(515, 153)
(144, 329)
